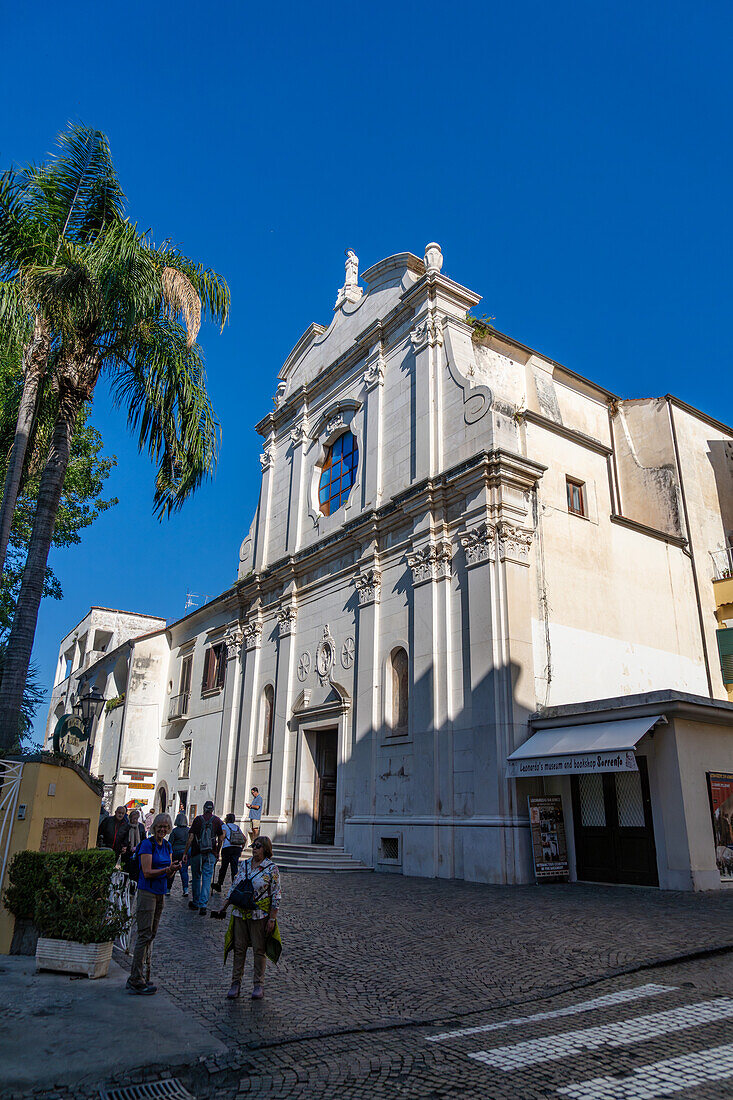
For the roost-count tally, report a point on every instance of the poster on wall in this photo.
(548, 843)
(720, 792)
(549, 847)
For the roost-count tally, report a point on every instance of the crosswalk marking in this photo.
(658, 1079)
(623, 996)
(637, 1030)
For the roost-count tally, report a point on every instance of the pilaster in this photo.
(282, 735)
(372, 457)
(430, 566)
(262, 529)
(298, 445)
(249, 706)
(224, 794)
(366, 725)
(426, 338)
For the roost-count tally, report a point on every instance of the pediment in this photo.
(322, 700)
(320, 345)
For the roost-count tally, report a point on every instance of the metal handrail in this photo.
(178, 707)
(722, 563)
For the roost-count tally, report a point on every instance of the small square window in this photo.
(576, 497)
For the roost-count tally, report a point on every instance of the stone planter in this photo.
(91, 959)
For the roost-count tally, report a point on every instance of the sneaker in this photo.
(144, 990)
(151, 988)
(233, 992)
(192, 905)
(258, 993)
(185, 893)
(202, 911)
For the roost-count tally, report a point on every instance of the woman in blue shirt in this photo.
(157, 870)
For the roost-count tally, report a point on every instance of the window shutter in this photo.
(221, 664)
(725, 649)
(207, 673)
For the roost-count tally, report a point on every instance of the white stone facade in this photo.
(457, 545)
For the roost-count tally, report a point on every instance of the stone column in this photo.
(372, 457)
(282, 735)
(262, 529)
(247, 726)
(366, 720)
(298, 446)
(518, 697)
(224, 795)
(426, 337)
(429, 720)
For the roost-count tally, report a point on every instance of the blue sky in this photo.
(572, 159)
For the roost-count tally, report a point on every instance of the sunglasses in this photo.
(257, 845)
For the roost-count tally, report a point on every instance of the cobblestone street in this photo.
(373, 965)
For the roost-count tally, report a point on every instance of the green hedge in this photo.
(65, 894)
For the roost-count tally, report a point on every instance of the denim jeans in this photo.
(202, 870)
(183, 873)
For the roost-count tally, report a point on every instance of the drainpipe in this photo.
(700, 615)
(122, 727)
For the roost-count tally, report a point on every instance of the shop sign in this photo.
(549, 846)
(720, 793)
(141, 786)
(617, 760)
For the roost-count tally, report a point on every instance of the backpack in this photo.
(243, 894)
(206, 840)
(132, 863)
(236, 836)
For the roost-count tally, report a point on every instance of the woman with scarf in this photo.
(256, 927)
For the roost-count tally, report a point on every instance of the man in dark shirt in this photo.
(113, 831)
(204, 842)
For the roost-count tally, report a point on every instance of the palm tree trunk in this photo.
(20, 642)
(35, 359)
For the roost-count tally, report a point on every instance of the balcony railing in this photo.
(722, 563)
(178, 707)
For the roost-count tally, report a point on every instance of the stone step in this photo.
(315, 858)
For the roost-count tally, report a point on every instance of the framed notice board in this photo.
(720, 793)
(549, 846)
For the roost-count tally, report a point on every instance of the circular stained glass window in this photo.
(338, 473)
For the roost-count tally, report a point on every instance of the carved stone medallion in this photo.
(347, 653)
(304, 666)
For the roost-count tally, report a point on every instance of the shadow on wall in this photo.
(720, 457)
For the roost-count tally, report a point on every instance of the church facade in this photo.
(459, 545)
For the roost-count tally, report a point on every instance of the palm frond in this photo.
(180, 296)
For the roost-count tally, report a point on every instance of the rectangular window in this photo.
(576, 497)
(215, 666)
(184, 768)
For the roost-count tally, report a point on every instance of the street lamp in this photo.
(88, 707)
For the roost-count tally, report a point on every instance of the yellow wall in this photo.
(73, 798)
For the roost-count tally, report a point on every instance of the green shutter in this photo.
(725, 649)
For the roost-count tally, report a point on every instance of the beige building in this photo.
(460, 546)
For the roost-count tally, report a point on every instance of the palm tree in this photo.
(117, 304)
(41, 209)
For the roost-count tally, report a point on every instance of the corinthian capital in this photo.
(233, 641)
(478, 543)
(431, 562)
(286, 617)
(252, 631)
(427, 332)
(368, 586)
(514, 543)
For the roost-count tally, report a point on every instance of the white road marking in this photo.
(658, 1079)
(637, 1030)
(610, 999)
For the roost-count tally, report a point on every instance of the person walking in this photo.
(177, 841)
(204, 841)
(255, 813)
(148, 822)
(256, 927)
(231, 849)
(113, 831)
(157, 869)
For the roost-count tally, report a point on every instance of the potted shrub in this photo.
(74, 912)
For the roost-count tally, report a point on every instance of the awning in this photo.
(589, 747)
